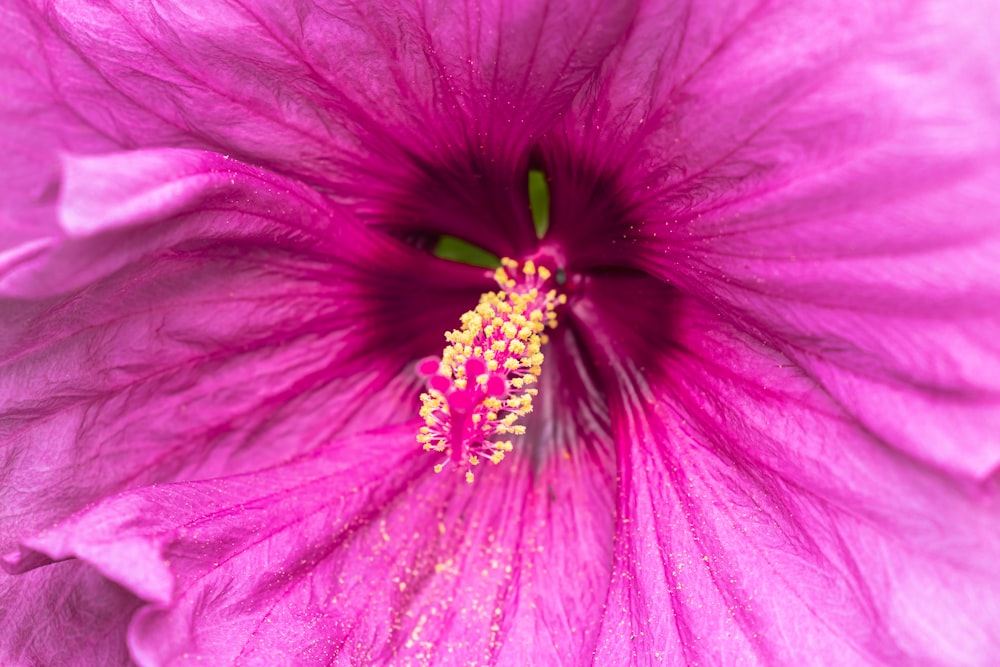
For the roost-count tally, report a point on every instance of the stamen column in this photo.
(481, 385)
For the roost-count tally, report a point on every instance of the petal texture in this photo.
(359, 561)
(50, 617)
(436, 99)
(768, 429)
(147, 340)
(842, 209)
(757, 522)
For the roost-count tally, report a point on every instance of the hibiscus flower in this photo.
(752, 416)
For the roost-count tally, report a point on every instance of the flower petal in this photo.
(103, 198)
(436, 109)
(166, 544)
(886, 82)
(892, 310)
(199, 316)
(757, 521)
(34, 128)
(842, 209)
(356, 552)
(70, 615)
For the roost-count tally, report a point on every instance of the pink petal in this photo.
(359, 552)
(841, 208)
(269, 85)
(217, 318)
(831, 227)
(757, 522)
(70, 615)
(35, 127)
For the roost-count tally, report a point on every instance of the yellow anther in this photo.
(504, 334)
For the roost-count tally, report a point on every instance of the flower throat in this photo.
(481, 385)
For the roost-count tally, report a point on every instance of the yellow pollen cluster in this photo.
(481, 386)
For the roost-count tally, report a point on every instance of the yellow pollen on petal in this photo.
(481, 388)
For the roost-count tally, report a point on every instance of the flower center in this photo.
(481, 385)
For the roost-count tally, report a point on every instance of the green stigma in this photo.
(539, 200)
(458, 250)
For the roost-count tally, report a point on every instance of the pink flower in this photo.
(766, 428)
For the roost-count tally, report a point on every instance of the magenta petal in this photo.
(107, 206)
(892, 310)
(419, 143)
(357, 553)
(151, 582)
(66, 615)
(270, 531)
(188, 277)
(209, 364)
(34, 129)
(756, 519)
(271, 85)
(842, 209)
